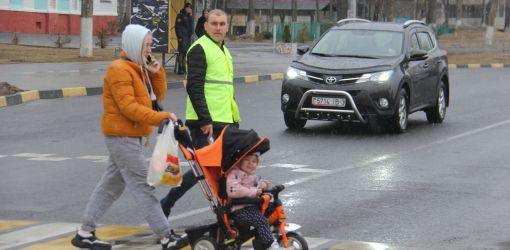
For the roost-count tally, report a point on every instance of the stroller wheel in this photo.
(296, 241)
(205, 243)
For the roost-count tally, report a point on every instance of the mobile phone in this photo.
(148, 60)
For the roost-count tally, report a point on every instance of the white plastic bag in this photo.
(164, 168)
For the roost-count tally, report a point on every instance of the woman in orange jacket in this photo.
(132, 86)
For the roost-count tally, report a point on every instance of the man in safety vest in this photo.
(210, 104)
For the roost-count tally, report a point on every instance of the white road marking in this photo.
(49, 159)
(315, 242)
(95, 158)
(41, 157)
(2, 156)
(286, 165)
(35, 233)
(32, 155)
(310, 170)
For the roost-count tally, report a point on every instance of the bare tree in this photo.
(271, 14)
(377, 10)
(86, 28)
(123, 14)
(489, 32)
(342, 8)
(294, 10)
(446, 8)
(421, 9)
(317, 12)
(507, 16)
(250, 28)
(389, 11)
(431, 12)
(330, 11)
(458, 13)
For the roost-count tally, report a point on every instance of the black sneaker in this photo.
(92, 242)
(174, 242)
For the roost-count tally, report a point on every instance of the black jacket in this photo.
(183, 25)
(199, 29)
(197, 67)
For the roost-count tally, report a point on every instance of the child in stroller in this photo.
(211, 166)
(242, 181)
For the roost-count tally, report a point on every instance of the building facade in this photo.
(53, 17)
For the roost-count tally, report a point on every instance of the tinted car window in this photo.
(425, 42)
(414, 43)
(369, 43)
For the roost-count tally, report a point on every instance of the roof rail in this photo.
(410, 22)
(352, 20)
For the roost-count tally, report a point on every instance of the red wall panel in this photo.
(47, 23)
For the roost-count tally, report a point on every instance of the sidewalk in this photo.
(248, 60)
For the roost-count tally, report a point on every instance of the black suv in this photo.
(370, 72)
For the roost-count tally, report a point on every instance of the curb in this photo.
(477, 66)
(33, 95)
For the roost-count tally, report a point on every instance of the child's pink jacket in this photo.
(241, 184)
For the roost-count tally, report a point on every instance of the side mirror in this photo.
(302, 49)
(417, 55)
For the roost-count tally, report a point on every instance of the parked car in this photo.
(375, 73)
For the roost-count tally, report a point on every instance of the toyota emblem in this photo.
(330, 79)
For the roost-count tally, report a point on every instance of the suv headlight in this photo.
(293, 73)
(379, 77)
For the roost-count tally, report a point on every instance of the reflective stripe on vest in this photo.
(218, 87)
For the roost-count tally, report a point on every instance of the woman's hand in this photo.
(172, 117)
(153, 66)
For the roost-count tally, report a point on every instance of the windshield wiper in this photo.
(321, 54)
(356, 56)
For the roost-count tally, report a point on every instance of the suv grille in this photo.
(331, 79)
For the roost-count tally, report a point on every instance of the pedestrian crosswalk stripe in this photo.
(11, 224)
(36, 233)
(30, 235)
(106, 233)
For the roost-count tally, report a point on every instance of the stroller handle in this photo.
(239, 201)
(258, 200)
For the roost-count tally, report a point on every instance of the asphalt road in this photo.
(434, 187)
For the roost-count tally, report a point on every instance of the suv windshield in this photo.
(359, 43)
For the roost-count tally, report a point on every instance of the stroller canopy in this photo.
(237, 143)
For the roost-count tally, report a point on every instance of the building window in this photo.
(38, 25)
(63, 5)
(105, 1)
(41, 4)
(16, 4)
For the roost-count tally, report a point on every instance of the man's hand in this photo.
(207, 130)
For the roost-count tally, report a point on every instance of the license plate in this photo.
(328, 102)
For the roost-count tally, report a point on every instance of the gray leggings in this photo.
(126, 167)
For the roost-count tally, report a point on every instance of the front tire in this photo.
(401, 115)
(293, 123)
(296, 241)
(205, 243)
(437, 113)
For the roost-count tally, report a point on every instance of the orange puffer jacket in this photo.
(127, 106)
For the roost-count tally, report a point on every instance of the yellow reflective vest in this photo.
(218, 86)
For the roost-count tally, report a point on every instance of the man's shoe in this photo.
(166, 210)
(91, 242)
(173, 242)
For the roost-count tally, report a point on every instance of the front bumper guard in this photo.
(339, 93)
